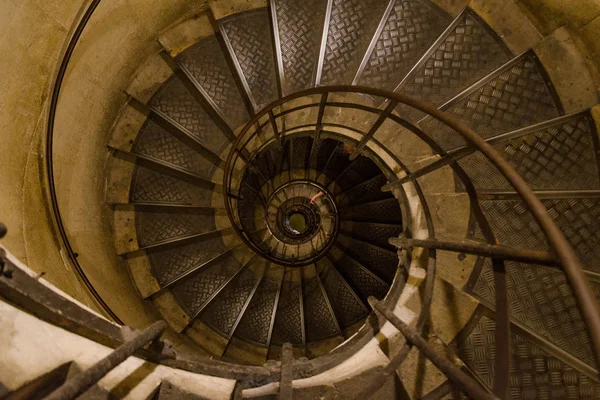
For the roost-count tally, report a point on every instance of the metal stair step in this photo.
(465, 52)
(207, 64)
(298, 40)
(409, 30)
(559, 154)
(514, 96)
(248, 39)
(350, 27)
(175, 100)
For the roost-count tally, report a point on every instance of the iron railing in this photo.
(269, 123)
(562, 254)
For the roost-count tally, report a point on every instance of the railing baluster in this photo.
(77, 385)
(287, 373)
(382, 117)
(484, 250)
(459, 378)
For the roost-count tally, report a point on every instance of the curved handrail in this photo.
(56, 89)
(575, 277)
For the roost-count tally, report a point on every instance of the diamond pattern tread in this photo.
(157, 226)
(380, 261)
(375, 233)
(288, 321)
(256, 322)
(320, 323)
(560, 157)
(384, 211)
(172, 262)
(541, 300)
(249, 35)
(156, 142)
(578, 219)
(361, 170)
(347, 307)
(222, 314)
(176, 101)
(155, 187)
(516, 96)
(300, 30)
(210, 69)
(535, 374)
(363, 282)
(410, 29)
(352, 24)
(365, 192)
(468, 52)
(193, 293)
(301, 152)
(337, 162)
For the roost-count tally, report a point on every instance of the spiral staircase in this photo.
(277, 189)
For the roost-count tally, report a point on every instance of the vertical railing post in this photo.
(77, 385)
(287, 372)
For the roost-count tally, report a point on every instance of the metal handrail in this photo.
(563, 250)
(565, 255)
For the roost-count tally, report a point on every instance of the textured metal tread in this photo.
(346, 304)
(352, 24)
(195, 293)
(149, 185)
(535, 374)
(411, 28)
(320, 319)
(364, 282)
(384, 211)
(255, 324)
(172, 262)
(562, 156)
(360, 170)
(175, 100)
(155, 142)
(248, 39)
(466, 51)
(380, 261)
(577, 218)
(516, 95)
(299, 31)
(365, 192)
(223, 313)
(541, 300)
(159, 226)
(207, 64)
(373, 232)
(289, 325)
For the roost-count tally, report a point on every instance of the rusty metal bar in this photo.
(319, 126)
(77, 385)
(459, 378)
(501, 332)
(287, 372)
(575, 276)
(480, 249)
(275, 129)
